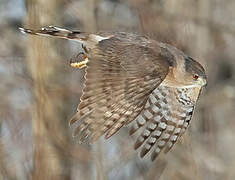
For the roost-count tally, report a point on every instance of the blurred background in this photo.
(39, 91)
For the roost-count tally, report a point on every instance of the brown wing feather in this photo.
(119, 78)
(165, 117)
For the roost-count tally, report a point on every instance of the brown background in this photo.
(39, 91)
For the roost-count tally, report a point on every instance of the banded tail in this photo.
(88, 40)
(58, 32)
(82, 37)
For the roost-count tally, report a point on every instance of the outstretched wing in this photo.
(119, 78)
(165, 118)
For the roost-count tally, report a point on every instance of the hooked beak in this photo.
(202, 82)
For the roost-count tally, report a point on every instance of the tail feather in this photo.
(58, 32)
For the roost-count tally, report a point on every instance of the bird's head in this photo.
(194, 72)
(184, 72)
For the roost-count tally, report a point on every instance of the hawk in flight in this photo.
(128, 78)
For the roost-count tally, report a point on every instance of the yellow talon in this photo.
(80, 61)
(79, 65)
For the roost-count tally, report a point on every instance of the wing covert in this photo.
(117, 86)
(164, 119)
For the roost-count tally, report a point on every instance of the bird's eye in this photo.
(195, 76)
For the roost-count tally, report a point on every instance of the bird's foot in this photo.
(79, 61)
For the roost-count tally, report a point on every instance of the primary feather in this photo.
(131, 77)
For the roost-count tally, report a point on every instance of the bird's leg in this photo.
(79, 61)
(85, 48)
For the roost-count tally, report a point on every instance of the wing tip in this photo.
(134, 128)
(73, 119)
(110, 133)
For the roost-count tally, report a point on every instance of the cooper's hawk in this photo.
(131, 77)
